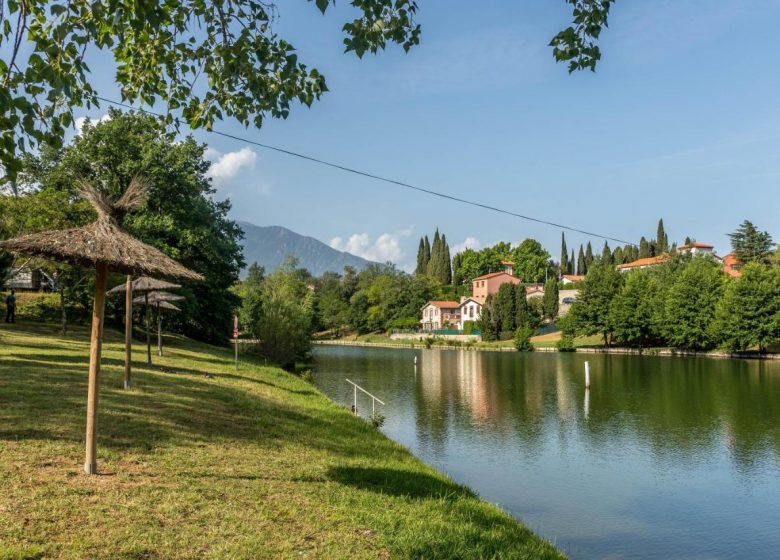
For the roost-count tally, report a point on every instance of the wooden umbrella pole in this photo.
(148, 339)
(128, 329)
(96, 344)
(159, 330)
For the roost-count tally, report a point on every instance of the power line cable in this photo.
(379, 177)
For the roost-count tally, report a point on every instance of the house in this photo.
(469, 310)
(695, 248)
(488, 284)
(440, 314)
(732, 265)
(572, 278)
(647, 262)
(27, 279)
(536, 290)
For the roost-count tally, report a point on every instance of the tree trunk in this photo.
(96, 345)
(128, 330)
(63, 312)
(159, 332)
(148, 338)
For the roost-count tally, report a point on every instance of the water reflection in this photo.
(659, 456)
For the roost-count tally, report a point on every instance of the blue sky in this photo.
(681, 121)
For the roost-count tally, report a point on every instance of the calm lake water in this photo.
(661, 458)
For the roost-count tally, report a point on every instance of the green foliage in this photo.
(590, 313)
(661, 239)
(577, 44)
(690, 305)
(332, 307)
(469, 327)
(251, 292)
(749, 313)
(563, 266)
(281, 308)
(489, 321)
(181, 218)
(634, 310)
(582, 265)
(522, 340)
(505, 308)
(565, 344)
(750, 244)
(532, 261)
(550, 301)
(644, 249)
(377, 420)
(524, 315)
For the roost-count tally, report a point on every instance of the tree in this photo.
(422, 264)
(751, 245)
(644, 249)
(446, 264)
(523, 314)
(426, 255)
(203, 60)
(285, 318)
(606, 253)
(690, 305)
(457, 260)
(617, 256)
(591, 312)
(435, 263)
(251, 291)
(6, 260)
(661, 240)
(749, 313)
(564, 264)
(633, 311)
(550, 301)
(181, 218)
(505, 310)
(489, 324)
(522, 340)
(531, 261)
(582, 265)
(572, 264)
(332, 308)
(589, 255)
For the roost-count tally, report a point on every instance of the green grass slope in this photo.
(202, 461)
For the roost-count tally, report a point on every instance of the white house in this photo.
(696, 248)
(470, 310)
(572, 278)
(440, 314)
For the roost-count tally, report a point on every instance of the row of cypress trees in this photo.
(620, 255)
(433, 259)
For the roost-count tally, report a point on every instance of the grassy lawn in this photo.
(202, 461)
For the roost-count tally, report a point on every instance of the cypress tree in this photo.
(505, 307)
(550, 299)
(572, 264)
(522, 310)
(617, 256)
(644, 248)
(457, 262)
(446, 264)
(688, 240)
(588, 256)
(433, 264)
(426, 256)
(662, 242)
(606, 253)
(564, 267)
(421, 264)
(582, 265)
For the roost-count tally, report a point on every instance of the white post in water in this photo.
(587, 375)
(354, 406)
(415, 360)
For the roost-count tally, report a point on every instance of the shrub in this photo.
(523, 339)
(308, 376)
(565, 344)
(377, 420)
(468, 327)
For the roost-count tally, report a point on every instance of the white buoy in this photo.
(415, 360)
(587, 375)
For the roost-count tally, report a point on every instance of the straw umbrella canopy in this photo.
(102, 245)
(143, 284)
(159, 300)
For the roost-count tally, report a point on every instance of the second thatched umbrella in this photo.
(144, 284)
(159, 300)
(102, 245)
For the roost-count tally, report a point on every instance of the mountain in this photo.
(270, 245)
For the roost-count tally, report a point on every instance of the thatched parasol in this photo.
(143, 284)
(160, 300)
(105, 246)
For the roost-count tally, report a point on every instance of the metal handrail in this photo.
(374, 399)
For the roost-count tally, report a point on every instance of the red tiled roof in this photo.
(696, 245)
(731, 265)
(444, 304)
(647, 261)
(508, 262)
(493, 275)
(574, 277)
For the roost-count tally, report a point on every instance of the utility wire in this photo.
(379, 177)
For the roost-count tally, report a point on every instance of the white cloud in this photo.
(79, 121)
(468, 243)
(225, 167)
(386, 247)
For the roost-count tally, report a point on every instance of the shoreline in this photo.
(663, 352)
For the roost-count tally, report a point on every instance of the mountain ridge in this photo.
(270, 245)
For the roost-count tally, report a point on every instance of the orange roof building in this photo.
(647, 262)
(732, 265)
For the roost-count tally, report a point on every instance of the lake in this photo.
(660, 458)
